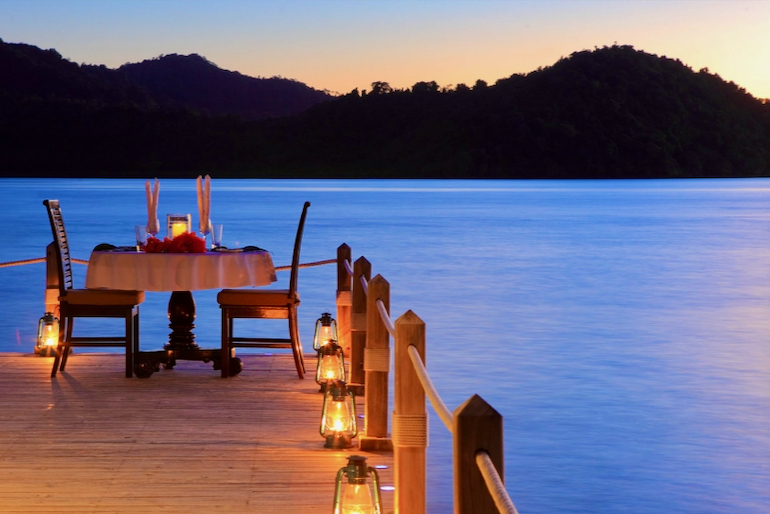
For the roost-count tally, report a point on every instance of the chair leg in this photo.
(68, 337)
(57, 359)
(135, 340)
(298, 341)
(60, 348)
(224, 358)
(136, 332)
(130, 342)
(64, 356)
(296, 346)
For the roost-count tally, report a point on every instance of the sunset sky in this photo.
(340, 45)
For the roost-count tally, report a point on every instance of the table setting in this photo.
(179, 263)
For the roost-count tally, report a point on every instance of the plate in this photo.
(122, 249)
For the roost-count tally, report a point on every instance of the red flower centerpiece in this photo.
(187, 242)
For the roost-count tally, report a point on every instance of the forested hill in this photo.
(612, 112)
(172, 82)
(194, 82)
(29, 74)
(608, 113)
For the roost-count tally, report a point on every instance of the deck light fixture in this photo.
(331, 364)
(338, 417)
(177, 224)
(354, 496)
(325, 330)
(47, 335)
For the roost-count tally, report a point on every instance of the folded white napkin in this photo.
(204, 204)
(153, 226)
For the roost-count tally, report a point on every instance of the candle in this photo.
(177, 224)
(178, 228)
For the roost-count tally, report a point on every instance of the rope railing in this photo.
(475, 426)
(380, 305)
(492, 479)
(34, 261)
(308, 264)
(364, 284)
(430, 390)
(386, 318)
(21, 263)
(495, 484)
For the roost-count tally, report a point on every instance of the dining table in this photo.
(180, 274)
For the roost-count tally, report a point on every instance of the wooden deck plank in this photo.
(184, 440)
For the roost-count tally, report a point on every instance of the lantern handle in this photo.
(376, 484)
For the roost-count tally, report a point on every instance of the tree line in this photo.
(611, 112)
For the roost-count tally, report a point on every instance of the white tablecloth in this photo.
(141, 271)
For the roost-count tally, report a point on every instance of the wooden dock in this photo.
(183, 441)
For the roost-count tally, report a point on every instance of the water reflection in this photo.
(621, 328)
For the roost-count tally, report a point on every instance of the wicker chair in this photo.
(264, 304)
(88, 303)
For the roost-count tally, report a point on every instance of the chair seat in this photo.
(102, 297)
(260, 297)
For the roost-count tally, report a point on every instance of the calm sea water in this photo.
(622, 328)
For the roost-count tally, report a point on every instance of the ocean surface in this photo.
(622, 328)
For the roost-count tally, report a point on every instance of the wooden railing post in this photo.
(410, 418)
(357, 377)
(344, 298)
(477, 426)
(377, 368)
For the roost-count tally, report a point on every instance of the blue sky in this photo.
(344, 44)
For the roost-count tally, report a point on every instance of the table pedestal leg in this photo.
(181, 314)
(181, 341)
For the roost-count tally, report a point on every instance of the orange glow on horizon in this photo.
(340, 45)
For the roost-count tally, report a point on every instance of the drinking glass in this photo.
(216, 235)
(153, 231)
(206, 230)
(141, 236)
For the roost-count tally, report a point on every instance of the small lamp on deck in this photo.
(331, 364)
(47, 335)
(354, 495)
(325, 330)
(338, 417)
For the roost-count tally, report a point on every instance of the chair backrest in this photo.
(63, 262)
(295, 256)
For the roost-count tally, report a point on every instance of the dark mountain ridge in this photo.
(29, 73)
(613, 112)
(192, 81)
(181, 82)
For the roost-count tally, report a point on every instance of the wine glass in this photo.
(206, 230)
(141, 236)
(153, 229)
